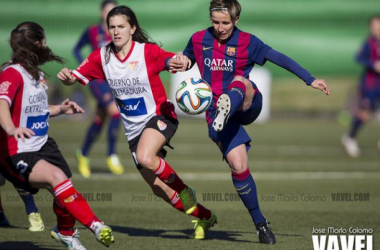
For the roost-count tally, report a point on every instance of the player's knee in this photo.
(239, 78)
(145, 160)
(57, 177)
(238, 167)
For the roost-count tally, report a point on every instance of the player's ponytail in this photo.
(139, 35)
(232, 6)
(28, 50)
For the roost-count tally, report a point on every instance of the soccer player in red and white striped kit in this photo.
(29, 158)
(131, 64)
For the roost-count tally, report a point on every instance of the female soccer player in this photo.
(29, 158)
(225, 55)
(369, 88)
(131, 64)
(97, 36)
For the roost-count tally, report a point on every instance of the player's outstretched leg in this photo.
(246, 188)
(75, 204)
(206, 217)
(228, 104)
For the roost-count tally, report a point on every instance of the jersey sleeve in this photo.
(157, 57)
(90, 69)
(10, 82)
(189, 51)
(84, 39)
(258, 50)
(364, 56)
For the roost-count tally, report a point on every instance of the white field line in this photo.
(257, 176)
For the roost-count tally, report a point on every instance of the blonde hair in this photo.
(232, 6)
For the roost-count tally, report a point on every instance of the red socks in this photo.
(65, 221)
(200, 212)
(74, 203)
(166, 174)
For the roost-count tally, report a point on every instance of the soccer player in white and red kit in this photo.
(29, 158)
(131, 64)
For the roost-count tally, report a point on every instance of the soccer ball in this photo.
(193, 96)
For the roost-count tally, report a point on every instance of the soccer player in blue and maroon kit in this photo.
(225, 55)
(369, 88)
(97, 36)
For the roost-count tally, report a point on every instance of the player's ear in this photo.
(133, 29)
(236, 21)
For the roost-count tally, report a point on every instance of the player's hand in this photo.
(66, 76)
(22, 133)
(68, 107)
(184, 59)
(321, 85)
(376, 66)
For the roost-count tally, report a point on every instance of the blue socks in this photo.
(92, 133)
(113, 130)
(236, 92)
(355, 126)
(246, 188)
(28, 200)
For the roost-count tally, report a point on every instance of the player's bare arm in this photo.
(8, 125)
(67, 107)
(66, 76)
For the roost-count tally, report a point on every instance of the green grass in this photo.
(293, 158)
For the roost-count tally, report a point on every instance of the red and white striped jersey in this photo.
(29, 108)
(134, 81)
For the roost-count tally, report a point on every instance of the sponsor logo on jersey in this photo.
(132, 106)
(39, 124)
(161, 125)
(134, 65)
(219, 64)
(4, 86)
(231, 51)
(206, 48)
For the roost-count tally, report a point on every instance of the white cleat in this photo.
(71, 242)
(223, 109)
(351, 146)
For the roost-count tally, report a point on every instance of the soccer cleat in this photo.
(351, 146)
(114, 164)
(265, 233)
(36, 223)
(3, 220)
(201, 227)
(71, 242)
(103, 233)
(223, 109)
(189, 200)
(83, 164)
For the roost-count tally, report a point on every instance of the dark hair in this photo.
(373, 17)
(105, 2)
(232, 6)
(139, 35)
(26, 43)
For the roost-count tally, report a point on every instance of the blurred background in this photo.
(298, 151)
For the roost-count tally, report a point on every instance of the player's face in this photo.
(121, 31)
(375, 28)
(223, 26)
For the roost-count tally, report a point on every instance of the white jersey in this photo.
(29, 107)
(134, 82)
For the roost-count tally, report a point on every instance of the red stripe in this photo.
(241, 176)
(242, 52)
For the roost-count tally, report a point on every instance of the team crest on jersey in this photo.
(43, 82)
(4, 86)
(134, 65)
(161, 125)
(231, 51)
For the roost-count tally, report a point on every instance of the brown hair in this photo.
(232, 6)
(26, 43)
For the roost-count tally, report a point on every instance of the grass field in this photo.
(298, 166)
